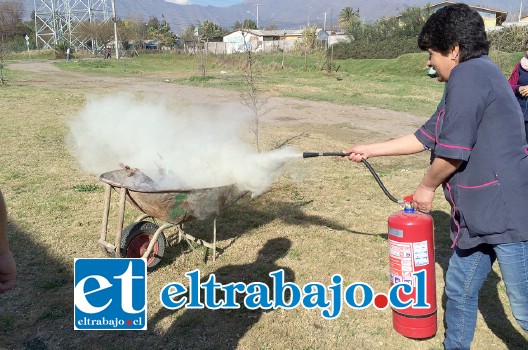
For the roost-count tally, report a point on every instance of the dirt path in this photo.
(280, 109)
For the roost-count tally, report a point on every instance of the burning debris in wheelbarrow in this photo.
(186, 147)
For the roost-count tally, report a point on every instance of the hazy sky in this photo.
(217, 3)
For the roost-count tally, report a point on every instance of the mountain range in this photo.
(290, 14)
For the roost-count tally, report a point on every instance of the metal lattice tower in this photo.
(59, 20)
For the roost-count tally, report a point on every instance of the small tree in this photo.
(100, 32)
(253, 99)
(206, 32)
(309, 40)
(2, 81)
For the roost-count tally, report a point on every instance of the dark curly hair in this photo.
(452, 25)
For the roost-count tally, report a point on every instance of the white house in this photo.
(266, 40)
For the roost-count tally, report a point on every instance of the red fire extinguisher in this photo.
(412, 261)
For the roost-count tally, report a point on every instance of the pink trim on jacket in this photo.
(453, 146)
(479, 186)
(427, 135)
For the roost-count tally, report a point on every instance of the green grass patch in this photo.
(96, 64)
(85, 188)
(399, 84)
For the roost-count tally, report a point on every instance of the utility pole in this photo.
(331, 20)
(257, 15)
(115, 29)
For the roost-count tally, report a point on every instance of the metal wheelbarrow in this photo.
(145, 238)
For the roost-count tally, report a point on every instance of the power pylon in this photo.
(60, 20)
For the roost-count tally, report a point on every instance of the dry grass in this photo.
(324, 216)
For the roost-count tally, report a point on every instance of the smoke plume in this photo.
(186, 147)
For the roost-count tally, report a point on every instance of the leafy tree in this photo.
(160, 31)
(309, 35)
(188, 34)
(10, 20)
(386, 38)
(132, 30)
(12, 28)
(246, 24)
(101, 32)
(209, 30)
(348, 18)
(412, 20)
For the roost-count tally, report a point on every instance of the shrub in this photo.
(508, 39)
(385, 48)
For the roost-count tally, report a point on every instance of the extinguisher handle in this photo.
(408, 199)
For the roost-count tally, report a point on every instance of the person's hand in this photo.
(358, 153)
(523, 90)
(7, 271)
(423, 198)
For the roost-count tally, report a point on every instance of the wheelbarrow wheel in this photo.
(135, 239)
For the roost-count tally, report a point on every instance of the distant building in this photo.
(266, 40)
(492, 18)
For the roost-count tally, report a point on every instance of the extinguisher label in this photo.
(395, 232)
(404, 257)
(401, 262)
(421, 254)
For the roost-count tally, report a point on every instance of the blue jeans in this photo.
(467, 271)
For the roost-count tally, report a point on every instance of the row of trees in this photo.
(385, 38)
(392, 37)
(13, 30)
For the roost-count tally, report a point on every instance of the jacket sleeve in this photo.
(427, 132)
(514, 79)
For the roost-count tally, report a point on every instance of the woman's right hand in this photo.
(523, 90)
(358, 152)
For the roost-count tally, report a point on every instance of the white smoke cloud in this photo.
(190, 147)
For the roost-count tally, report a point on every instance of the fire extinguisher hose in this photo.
(364, 161)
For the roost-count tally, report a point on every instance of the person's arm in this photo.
(437, 173)
(514, 79)
(407, 144)
(7, 262)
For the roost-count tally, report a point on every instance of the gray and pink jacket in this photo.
(479, 121)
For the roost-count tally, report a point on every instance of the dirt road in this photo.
(280, 109)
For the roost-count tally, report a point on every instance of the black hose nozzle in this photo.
(323, 154)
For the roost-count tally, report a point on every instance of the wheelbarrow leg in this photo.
(188, 238)
(120, 220)
(214, 240)
(105, 246)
